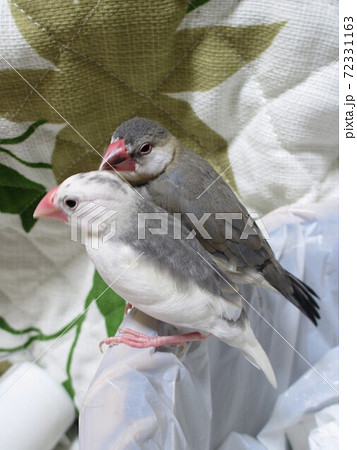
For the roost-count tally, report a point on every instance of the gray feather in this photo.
(137, 127)
(177, 189)
(183, 257)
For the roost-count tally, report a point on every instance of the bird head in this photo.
(141, 149)
(87, 197)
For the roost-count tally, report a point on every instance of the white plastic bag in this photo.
(210, 397)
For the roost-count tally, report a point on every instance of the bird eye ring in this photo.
(146, 148)
(71, 203)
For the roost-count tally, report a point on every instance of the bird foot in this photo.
(141, 340)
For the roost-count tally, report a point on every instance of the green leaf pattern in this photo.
(111, 305)
(18, 195)
(106, 77)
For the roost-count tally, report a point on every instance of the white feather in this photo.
(150, 166)
(153, 290)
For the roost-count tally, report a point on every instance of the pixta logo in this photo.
(163, 223)
(95, 223)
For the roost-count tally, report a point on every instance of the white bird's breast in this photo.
(152, 288)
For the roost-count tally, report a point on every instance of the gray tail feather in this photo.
(303, 297)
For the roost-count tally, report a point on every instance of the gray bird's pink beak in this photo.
(47, 209)
(117, 158)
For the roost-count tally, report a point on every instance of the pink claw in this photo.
(141, 340)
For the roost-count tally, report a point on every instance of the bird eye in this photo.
(145, 149)
(70, 202)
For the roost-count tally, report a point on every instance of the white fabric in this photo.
(13, 47)
(280, 112)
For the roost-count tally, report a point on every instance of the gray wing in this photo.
(178, 189)
(186, 259)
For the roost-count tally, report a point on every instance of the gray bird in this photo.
(150, 158)
(172, 279)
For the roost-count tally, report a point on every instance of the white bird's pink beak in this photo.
(47, 209)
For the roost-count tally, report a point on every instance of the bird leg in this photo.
(141, 340)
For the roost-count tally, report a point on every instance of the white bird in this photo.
(173, 280)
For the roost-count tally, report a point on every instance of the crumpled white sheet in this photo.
(210, 397)
(325, 435)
